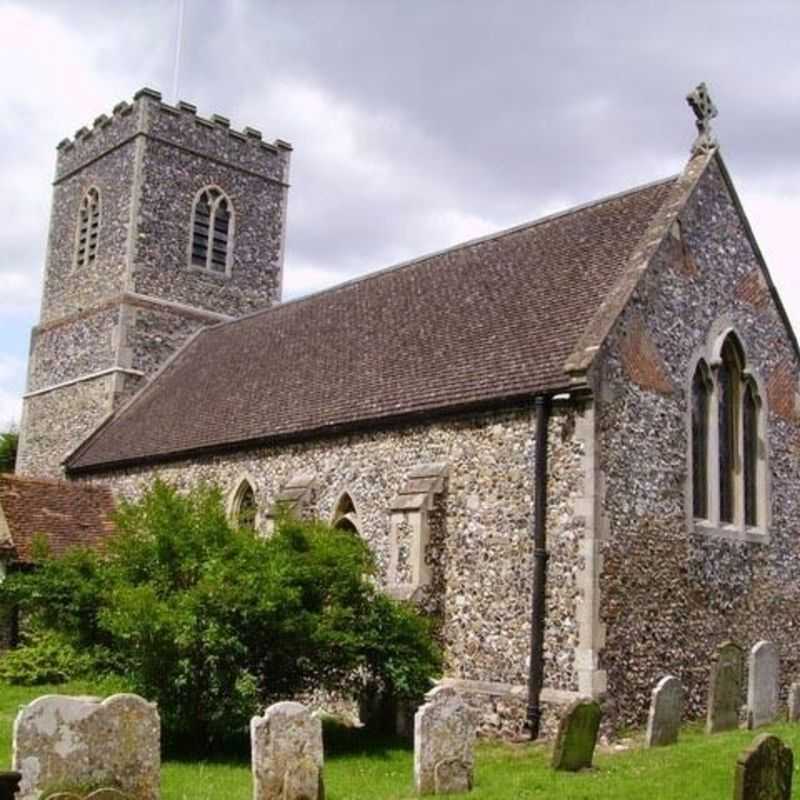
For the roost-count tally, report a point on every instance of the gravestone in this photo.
(97, 794)
(577, 736)
(287, 754)
(725, 688)
(764, 770)
(444, 734)
(9, 784)
(794, 702)
(666, 710)
(60, 740)
(762, 684)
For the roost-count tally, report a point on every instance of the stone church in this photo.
(575, 442)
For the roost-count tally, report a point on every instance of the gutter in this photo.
(540, 556)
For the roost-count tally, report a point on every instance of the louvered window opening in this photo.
(88, 229)
(211, 231)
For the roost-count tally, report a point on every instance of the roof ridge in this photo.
(451, 249)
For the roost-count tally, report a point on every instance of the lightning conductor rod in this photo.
(178, 42)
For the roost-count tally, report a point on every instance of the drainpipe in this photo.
(536, 674)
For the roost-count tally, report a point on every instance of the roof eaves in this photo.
(601, 323)
(387, 421)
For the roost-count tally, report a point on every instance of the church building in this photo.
(574, 442)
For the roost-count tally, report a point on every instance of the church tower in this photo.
(162, 222)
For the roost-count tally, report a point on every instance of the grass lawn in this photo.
(358, 767)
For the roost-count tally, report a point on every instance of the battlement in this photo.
(180, 126)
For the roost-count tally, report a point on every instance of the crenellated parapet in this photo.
(178, 126)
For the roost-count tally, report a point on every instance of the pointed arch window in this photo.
(728, 452)
(88, 235)
(244, 509)
(701, 395)
(344, 516)
(212, 231)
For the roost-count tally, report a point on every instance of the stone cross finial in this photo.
(705, 110)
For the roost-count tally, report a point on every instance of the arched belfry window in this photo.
(212, 231)
(88, 228)
(728, 446)
(244, 508)
(344, 515)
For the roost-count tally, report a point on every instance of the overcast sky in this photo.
(415, 124)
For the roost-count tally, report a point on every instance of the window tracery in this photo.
(728, 450)
(244, 508)
(88, 228)
(212, 231)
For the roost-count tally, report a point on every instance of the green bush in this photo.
(45, 657)
(213, 622)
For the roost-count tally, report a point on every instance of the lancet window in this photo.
(212, 231)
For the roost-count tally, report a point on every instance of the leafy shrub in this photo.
(212, 621)
(45, 657)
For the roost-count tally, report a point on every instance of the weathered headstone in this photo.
(725, 688)
(794, 702)
(577, 736)
(666, 710)
(97, 794)
(9, 784)
(287, 754)
(762, 684)
(444, 734)
(764, 770)
(61, 740)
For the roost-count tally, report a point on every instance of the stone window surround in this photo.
(242, 482)
(339, 516)
(92, 189)
(231, 233)
(711, 353)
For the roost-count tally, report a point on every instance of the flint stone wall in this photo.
(63, 741)
(480, 548)
(670, 593)
(55, 423)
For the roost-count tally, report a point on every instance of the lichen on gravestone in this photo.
(666, 710)
(444, 735)
(725, 688)
(764, 770)
(287, 753)
(577, 736)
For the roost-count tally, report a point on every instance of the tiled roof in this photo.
(488, 321)
(66, 514)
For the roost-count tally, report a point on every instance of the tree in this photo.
(213, 621)
(9, 442)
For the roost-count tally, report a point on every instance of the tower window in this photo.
(88, 228)
(212, 231)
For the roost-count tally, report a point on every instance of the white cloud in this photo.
(12, 382)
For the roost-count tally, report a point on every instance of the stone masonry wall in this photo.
(72, 350)
(481, 537)
(55, 423)
(670, 594)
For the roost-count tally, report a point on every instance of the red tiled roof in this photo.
(487, 321)
(66, 514)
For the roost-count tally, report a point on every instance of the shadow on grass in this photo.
(345, 740)
(339, 740)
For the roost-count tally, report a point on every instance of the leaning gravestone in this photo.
(444, 733)
(762, 684)
(287, 754)
(794, 702)
(725, 689)
(764, 770)
(61, 740)
(666, 710)
(577, 736)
